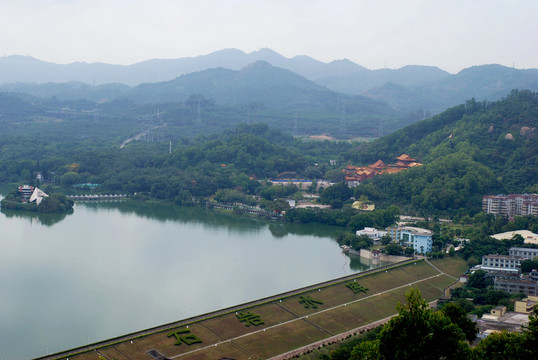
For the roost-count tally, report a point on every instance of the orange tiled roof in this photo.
(391, 170)
(405, 157)
(360, 173)
(378, 164)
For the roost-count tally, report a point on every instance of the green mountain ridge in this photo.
(260, 84)
(484, 82)
(468, 151)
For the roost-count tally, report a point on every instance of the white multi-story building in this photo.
(525, 253)
(417, 238)
(511, 205)
(501, 263)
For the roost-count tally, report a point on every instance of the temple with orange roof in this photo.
(354, 175)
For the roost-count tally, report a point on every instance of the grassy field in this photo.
(454, 266)
(289, 322)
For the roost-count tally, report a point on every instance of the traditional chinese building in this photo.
(26, 191)
(354, 175)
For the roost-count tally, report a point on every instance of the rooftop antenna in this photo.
(170, 148)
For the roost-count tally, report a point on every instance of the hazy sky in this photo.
(451, 34)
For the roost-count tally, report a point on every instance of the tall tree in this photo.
(418, 332)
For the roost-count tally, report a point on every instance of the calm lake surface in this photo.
(114, 268)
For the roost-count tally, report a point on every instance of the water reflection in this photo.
(116, 267)
(359, 263)
(47, 219)
(214, 218)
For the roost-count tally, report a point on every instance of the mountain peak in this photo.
(257, 64)
(266, 52)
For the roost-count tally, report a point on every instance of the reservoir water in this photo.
(113, 268)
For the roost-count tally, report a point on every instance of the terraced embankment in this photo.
(285, 324)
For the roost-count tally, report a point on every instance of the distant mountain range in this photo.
(16, 68)
(233, 77)
(257, 84)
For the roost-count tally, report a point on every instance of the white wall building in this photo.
(372, 233)
(417, 238)
(501, 263)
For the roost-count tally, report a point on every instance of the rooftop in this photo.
(504, 257)
(417, 231)
(529, 236)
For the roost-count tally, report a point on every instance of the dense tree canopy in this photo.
(468, 151)
(421, 333)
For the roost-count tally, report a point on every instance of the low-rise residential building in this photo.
(527, 287)
(525, 306)
(533, 275)
(525, 253)
(503, 275)
(501, 263)
(372, 233)
(511, 205)
(498, 311)
(417, 238)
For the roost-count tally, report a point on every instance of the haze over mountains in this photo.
(18, 68)
(267, 79)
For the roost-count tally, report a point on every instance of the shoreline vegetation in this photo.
(54, 203)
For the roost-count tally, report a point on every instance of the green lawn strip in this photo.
(92, 355)
(111, 353)
(385, 281)
(375, 307)
(223, 350)
(166, 345)
(359, 313)
(443, 281)
(281, 339)
(429, 292)
(389, 280)
(420, 271)
(413, 272)
(330, 296)
(454, 266)
(339, 319)
(433, 289)
(228, 326)
(380, 281)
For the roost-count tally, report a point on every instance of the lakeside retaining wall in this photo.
(382, 257)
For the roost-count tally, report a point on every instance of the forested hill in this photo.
(468, 151)
(212, 100)
(258, 85)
